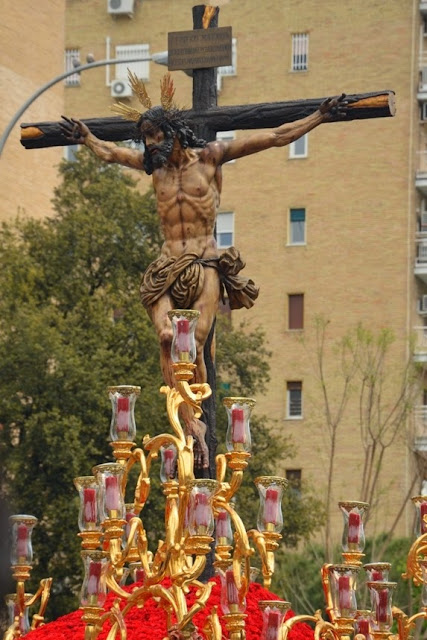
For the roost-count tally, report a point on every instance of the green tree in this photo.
(71, 324)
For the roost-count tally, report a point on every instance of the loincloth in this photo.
(182, 278)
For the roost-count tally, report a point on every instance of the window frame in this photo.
(225, 229)
(299, 52)
(69, 55)
(230, 69)
(291, 241)
(292, 148)
(291, 387)
(292, 312)
(140, 68)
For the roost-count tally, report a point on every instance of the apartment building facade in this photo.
(335, 225)
(31, 55)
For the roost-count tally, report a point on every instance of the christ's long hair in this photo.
(172, 124)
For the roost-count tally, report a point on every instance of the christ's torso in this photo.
(187, 200)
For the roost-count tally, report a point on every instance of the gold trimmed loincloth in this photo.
(183, 277)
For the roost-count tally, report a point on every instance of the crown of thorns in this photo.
(167, 92)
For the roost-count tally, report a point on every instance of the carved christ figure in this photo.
(186, 173)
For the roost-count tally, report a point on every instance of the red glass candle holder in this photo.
(88, 511)
(238, 437)
(122, 426)
(200, 514)
(423, 564)
(13, 612)
(420, 504)
(381, 598)
(270, 517)
(169, 463)
(184, 323)
(377, 571)
(130, 513)
(137, 572)
(109, 477)
(273, 614)
(94, 589)
(362, 623)
(22, 548)
(353, 538)
(223, 531)
(231, 600)
(342, 580)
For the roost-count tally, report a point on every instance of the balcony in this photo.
(420, 428)
(421, 173)
(420, 267)
(420, 344)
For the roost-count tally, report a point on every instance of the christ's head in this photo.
(157, 128)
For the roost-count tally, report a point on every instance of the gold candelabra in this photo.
(199, 515)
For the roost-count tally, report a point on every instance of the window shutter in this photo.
(296, 311)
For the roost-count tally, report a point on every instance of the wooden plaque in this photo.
(199, 48)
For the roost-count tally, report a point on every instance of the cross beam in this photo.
(250, 116)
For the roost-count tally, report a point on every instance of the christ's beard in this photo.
(159, 153)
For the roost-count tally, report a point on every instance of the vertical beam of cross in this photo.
(205, 97)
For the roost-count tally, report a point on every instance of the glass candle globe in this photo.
(109, 478)
(22, 529)
(353, 538)
(270, 517)
(88, 511)
(122, 426)
(184, 323)
(238, 436)
(342, 578)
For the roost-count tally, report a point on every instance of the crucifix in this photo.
(197, 163)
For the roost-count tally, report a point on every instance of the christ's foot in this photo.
(197, 429)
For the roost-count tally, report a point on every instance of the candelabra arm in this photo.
(327, 591)
(212, 628)
(191, 574)
(194, 394)
(413, 569)
(119, 624)
(221, 467)
(405, 623)
(114, 587)
(320, 625)
(142, 489)
(43, 592)
(267, 557)
(200, 603)
(10, 633)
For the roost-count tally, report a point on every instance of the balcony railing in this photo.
(420, 345)
(421, 255)
(422, 162)
(420, 428)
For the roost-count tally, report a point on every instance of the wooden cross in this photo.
(206, 119)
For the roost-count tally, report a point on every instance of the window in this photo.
(70, 152)
(297, 226)
(229, 70)
(299, 148)
(141, 68)
(294, 477)
(296, 311)
(227, 136)
(225, 230)
(294, 400)
(299, 60)
(72, 57)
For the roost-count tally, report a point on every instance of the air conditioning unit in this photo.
(422, 304)
(120, 89)
(120, 7)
